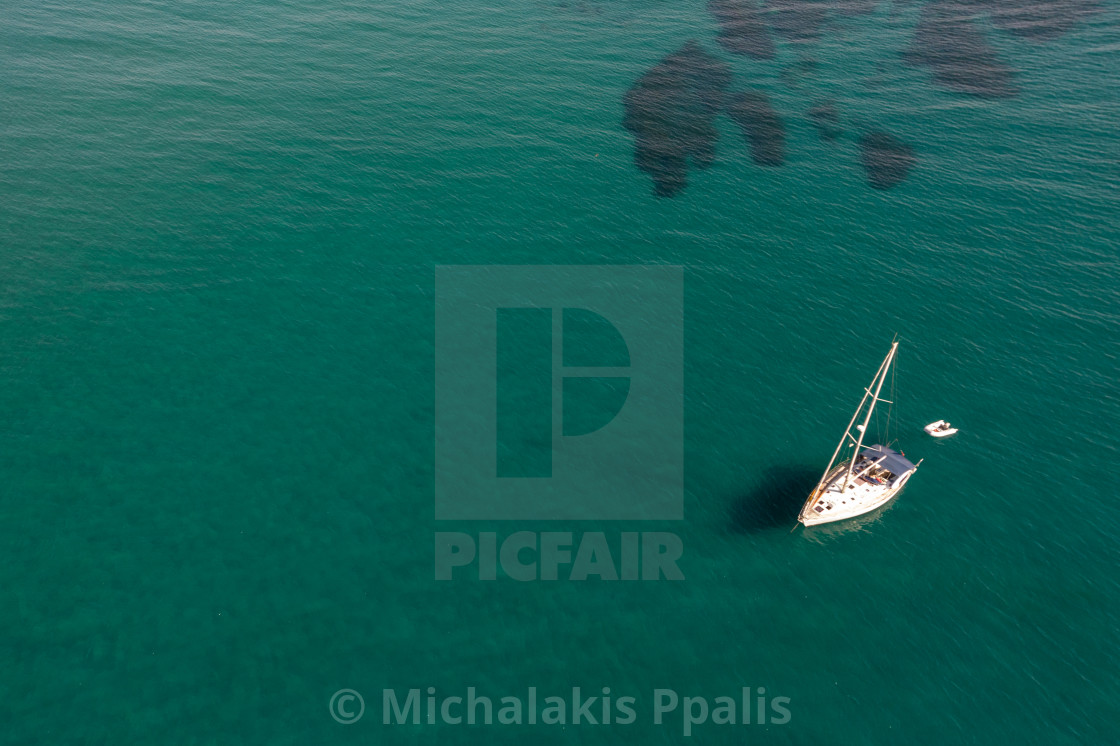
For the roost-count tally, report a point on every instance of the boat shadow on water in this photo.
(775, 501)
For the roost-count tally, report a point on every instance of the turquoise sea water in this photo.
(219, 226)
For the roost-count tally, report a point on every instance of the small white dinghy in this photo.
(940, 429)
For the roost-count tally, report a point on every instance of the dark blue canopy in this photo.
(893, 461)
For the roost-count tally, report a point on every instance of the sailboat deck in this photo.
(862, 495)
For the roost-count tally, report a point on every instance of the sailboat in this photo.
(870, 476)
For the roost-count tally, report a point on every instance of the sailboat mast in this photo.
(882, 376)
(848, 429)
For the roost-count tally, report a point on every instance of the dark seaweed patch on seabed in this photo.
(947, 41)
(671, 111)
(742, 28)
(671, 108)
(761, 127)
(744, 23)
(853, 7)
(797, 19)
(826, 118)
(886, 159)
(1040, 20)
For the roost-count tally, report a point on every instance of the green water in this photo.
(219, 226)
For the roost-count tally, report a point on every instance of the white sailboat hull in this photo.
(828, 503)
